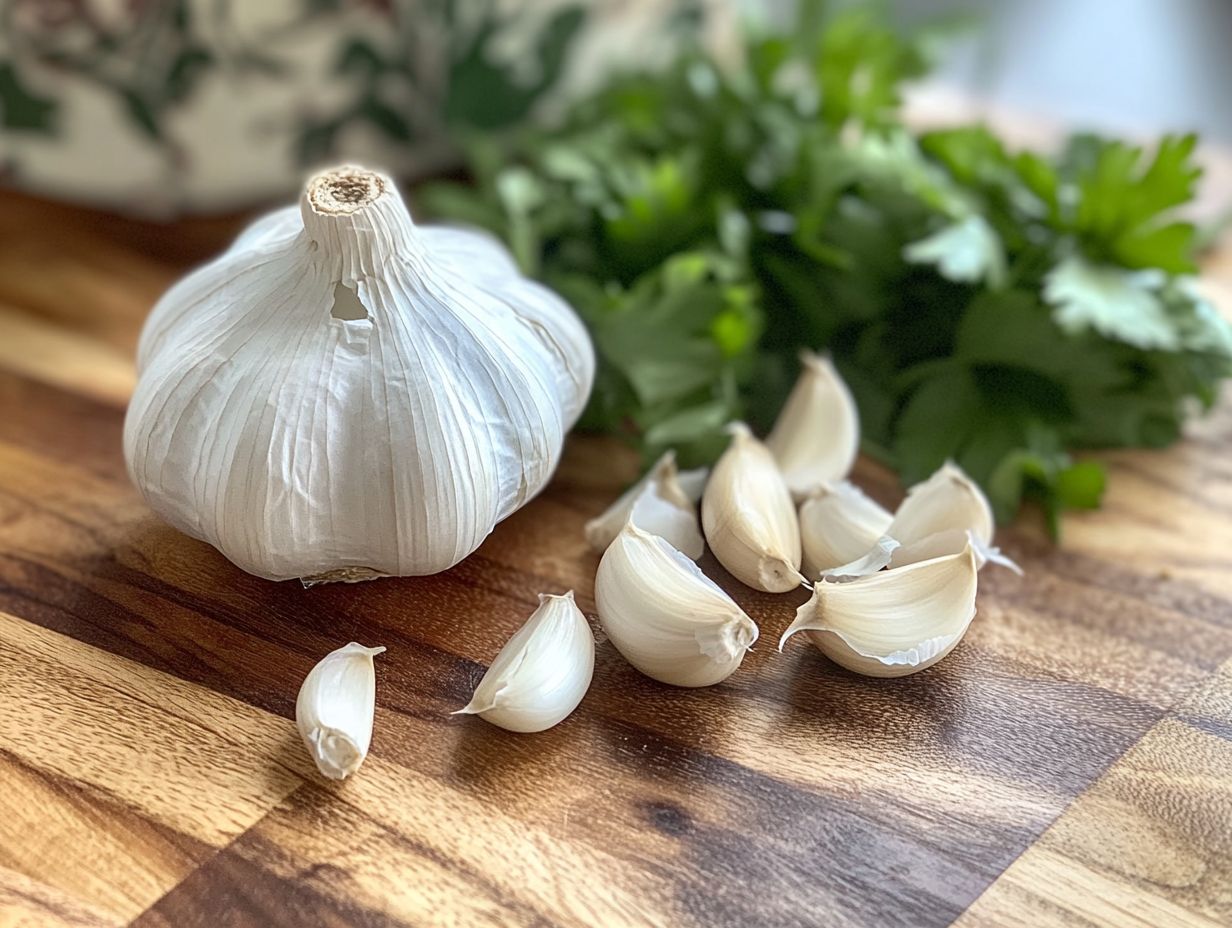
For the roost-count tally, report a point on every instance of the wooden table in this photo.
(1070, 763)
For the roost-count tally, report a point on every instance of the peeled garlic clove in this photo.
(668, 619)
(896, 622)
(335, 707)
(749, 518)
(946, 501)
(817, 435)
(839, 524)
(346, 393)
(542, 672)
(658, 504)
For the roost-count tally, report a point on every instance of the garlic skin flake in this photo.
(897, 622)
(749, 518)
(839, 524)
(668, 619)
(656, 503)
(346, 394)
(335, 707)
(817, 435)
(542, 672)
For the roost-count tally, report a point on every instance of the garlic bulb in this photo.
(749, 518)
(335, 707)
(658, 504)
(817, 435)
(896, 622)
(668, 619)
(839, 524)
(542, 673)
(346, 394)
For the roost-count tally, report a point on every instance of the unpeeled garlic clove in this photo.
(335, 707)
(658, 504)
(542, 672)
(946, 501)
(749, 518)
(668, 619)
(896, 622)
(817, 434)
(839, 524)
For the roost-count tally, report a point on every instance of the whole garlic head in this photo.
(344, 393)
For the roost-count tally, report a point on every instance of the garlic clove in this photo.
(839, 524)
(748, 516)
(668, 619)
(335, 707)
(817, 434)
(896, 622)
(542, 672)
(658, 504)
(948, 499)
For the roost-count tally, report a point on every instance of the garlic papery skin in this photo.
(817, 434)
(896, 622)
(658, 504)
(749, 518)
(692, 483)
(542, 673)
(839, 524)
(335, 707)
(345, 393)
(668, 619)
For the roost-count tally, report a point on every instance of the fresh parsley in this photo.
(1003, 309)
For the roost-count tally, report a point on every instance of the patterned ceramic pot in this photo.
(167, 106)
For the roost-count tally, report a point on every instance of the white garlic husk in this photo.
(896, 622)
(335, 707)
(817, 435)
(542, 672)
(839, 524)
(658, 504)
(344, 393)
(668, 619)
(748, 517)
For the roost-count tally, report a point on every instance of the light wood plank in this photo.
(65, 358)
(26, 903)
(185, 757)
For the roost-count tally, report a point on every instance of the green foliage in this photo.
(999, 308)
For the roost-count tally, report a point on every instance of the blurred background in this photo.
(167, 107)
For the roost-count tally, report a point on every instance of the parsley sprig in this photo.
(1003, 309)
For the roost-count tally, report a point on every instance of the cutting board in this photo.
(1069, 763)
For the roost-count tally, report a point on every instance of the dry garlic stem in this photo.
(839, 524)
(817, 435)
(656, 503)
(542, 673)
(749, 518)
(897, 622)
(335, 708)
(668, 619)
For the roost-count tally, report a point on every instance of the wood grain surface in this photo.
(1069, 764)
